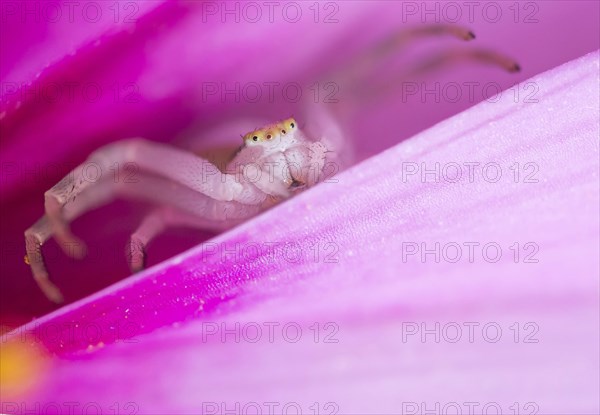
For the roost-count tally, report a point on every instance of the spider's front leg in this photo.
(177, 165)
(327, 149)
(221, 216)
(42, 230)
(210, 194)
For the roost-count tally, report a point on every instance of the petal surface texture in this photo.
(459, 267)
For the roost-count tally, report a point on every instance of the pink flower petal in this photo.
(372, 290)
(166, 54)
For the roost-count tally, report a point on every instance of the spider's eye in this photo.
(255, 138)
(268, 136)
(283, 132)
(292, 125)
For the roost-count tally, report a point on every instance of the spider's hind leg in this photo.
(364, 63)
(384, 85)
(358, 79)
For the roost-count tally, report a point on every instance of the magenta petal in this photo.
(167, 53)
(372, 291)
(149, 59)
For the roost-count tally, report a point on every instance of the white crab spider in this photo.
(274, 162)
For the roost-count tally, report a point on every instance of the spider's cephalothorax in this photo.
(275, 137)
(279, 159)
